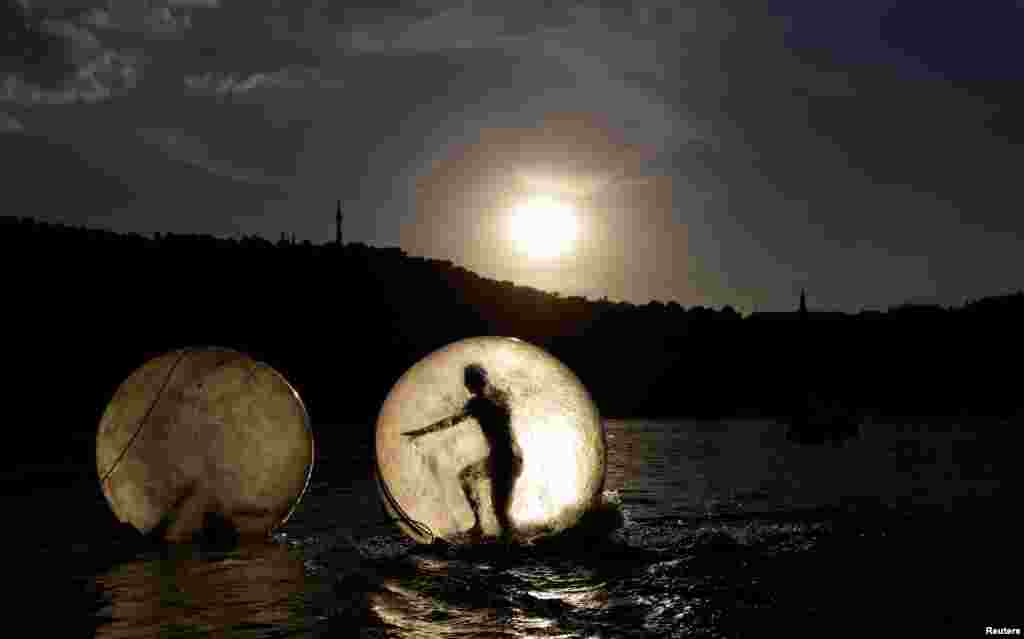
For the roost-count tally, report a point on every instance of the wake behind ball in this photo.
(202, 440)
(486, 439)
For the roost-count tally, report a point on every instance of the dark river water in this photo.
(710, 529)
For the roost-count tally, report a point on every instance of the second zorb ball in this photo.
(204, 440)
(489, 438)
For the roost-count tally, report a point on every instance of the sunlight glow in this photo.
(544, 226)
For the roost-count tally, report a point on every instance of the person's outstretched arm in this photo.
(447, 422)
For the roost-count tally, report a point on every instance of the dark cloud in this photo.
(49, 177)
(833, 155)
(9, 125)
(52, 56)
(956, 42)
(144, 18)
(945, 140)
(347, 14)
(106, 74)
(742, 149)
(31, 50)
(121, 179)
(243, 38)
(1004, 100)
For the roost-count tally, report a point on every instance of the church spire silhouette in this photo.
(337, 225)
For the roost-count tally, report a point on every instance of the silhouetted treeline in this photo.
(85, 307)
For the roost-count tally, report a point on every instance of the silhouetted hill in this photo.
(86, 307)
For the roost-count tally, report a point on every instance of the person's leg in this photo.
(504, 472)
(468, 478)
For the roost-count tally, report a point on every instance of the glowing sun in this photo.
(543, 227)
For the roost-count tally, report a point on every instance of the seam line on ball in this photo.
(142, 422)
(420, 527)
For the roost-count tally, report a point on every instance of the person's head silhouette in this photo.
(475, 378)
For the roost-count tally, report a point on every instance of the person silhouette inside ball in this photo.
(489, 406)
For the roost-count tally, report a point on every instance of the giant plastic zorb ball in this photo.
(489, 438)
(204, 440)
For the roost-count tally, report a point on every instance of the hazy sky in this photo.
(734, 152)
